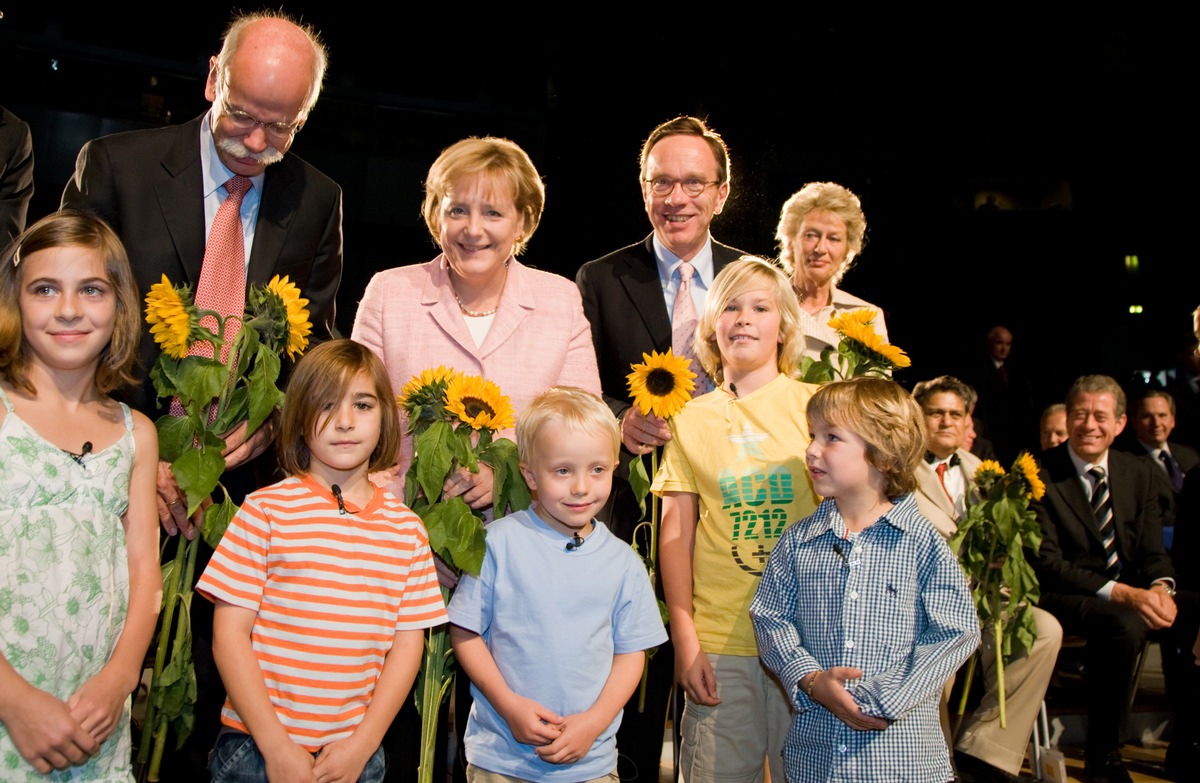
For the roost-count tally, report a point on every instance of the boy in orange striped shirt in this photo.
(323, 587)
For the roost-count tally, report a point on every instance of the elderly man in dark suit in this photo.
(1105, 575)
(220, 203)
(161, 191)
(646, 297)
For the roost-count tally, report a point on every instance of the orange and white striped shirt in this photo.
(329, 592)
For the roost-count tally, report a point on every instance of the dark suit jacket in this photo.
(16, 174)
(148, 185)
(623, 301)
(1071, 559)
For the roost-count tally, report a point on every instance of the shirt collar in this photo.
(827, 519)
(212, 169)
(1082, 466)
(668, 262)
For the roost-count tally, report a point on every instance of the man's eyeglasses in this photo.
(279, 131)
(664, 186)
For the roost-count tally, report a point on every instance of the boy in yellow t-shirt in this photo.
(732, 478)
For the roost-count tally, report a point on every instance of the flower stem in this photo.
(1000, 670)
(438, 676)
(170, 592)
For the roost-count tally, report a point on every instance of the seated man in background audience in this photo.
(1105, 576)
(1053, 428)
(945, 481)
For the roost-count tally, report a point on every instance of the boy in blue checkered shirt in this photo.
(863, 611)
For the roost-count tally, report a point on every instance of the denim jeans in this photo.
(236, 759)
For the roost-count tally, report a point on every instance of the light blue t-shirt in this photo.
(552, 619)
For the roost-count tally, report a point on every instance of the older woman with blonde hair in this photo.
(475, 308)
(821, 231)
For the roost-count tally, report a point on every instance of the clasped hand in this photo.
(830, 693)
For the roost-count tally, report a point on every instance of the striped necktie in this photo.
(1102, 510)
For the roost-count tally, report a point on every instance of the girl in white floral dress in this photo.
(79, 577)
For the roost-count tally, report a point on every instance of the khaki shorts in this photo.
(477, 775)
(730, 742)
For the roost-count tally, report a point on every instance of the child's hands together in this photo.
(342, 761)
(578, 734)
(530, 722)
(287, 762)
(45, 732)
(97, 705)
(830, 693)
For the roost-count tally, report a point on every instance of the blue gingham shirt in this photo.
(895, 604)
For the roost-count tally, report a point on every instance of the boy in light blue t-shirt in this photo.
(553, 631)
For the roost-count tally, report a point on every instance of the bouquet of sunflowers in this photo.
(991, 541)
(453, 418)
(210, 395)
(861, 351)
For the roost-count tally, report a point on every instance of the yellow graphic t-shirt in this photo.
(744, 457)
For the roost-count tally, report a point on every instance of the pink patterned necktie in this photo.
(683, 327)
(222, 285)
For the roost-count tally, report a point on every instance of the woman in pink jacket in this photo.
(475, 308)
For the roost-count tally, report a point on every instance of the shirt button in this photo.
(841, 748)
(849, 644)
(854, 595)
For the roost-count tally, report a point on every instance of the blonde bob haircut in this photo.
(749, 273)
(71, 229)
(830, 197)
(578, 410)
(886, 417)
(501, 164)
(319, 380)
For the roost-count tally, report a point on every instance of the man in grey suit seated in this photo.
(945, 483)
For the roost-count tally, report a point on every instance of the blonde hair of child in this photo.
(321, 378)
(750, 273)
(888, 420)
(577, 410)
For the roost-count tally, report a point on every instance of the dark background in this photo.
(1080, 130)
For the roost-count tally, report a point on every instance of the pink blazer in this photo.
(540, 338)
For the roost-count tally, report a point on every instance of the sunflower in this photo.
(172, 317)
(859, 326)
(298, 325)
(1027, 467)
(852, 319)
(989, 468)
(415, 390)
(662, 385)
(478, 403)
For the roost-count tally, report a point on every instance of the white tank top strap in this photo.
(124, 409)
(4, 396)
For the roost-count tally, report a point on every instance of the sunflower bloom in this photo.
(416, 386)
(1027, 467)
(989, 468)
(662, 385)
(852, 319)
(298, 325)
(859, 326)
(171, 318)
(479, 403)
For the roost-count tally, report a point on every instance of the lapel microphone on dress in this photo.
(86, 450)
(337, 493)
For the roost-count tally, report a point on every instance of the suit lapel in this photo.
(515, 303)
(1065, 483)
(275, 212)
(642, 285)
(438, 298)
(931, 488)
(178, 198)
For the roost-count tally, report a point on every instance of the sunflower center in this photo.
(475, 406)
(660, 382)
